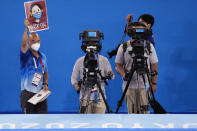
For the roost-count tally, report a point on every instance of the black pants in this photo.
(28, 108)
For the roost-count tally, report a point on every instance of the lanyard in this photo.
(37, 66)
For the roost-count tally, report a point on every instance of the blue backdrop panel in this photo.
(175, 35)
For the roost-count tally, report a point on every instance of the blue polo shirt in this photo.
(28, 70)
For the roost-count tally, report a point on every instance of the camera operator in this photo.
(136, 94)
(104, 66)
(147, 20)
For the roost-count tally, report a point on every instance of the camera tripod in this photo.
(140, 66)
(89, 83)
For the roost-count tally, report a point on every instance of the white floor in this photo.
(69, 121)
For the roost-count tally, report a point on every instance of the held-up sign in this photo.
(36, 13)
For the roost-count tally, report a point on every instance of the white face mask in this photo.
(35, 46)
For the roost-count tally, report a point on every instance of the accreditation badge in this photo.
(36, 79)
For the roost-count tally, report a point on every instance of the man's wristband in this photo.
(154, 83)
(45, 84)
(78, 91)
(154, 73)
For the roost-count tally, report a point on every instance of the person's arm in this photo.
(154, 78)
(154, 67)
(119, 62)
(75, 75)
(129, 19)
(110, 74)
(76, 86)
(120, 70)
(108, 70)
(25, 45)
(45, 81)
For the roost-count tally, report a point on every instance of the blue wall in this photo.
(175, 34)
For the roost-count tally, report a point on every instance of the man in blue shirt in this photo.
(34, 72)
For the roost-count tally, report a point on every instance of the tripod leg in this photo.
(103, 96)
(84, 109)
(149, 82)
(145, 85)
(145, 98)
(125, 90)
(138, 97)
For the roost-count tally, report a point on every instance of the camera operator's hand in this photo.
(110, 74)
(77, 87)
(125, 76)
(121, 71)
(154, 87)
(129, 18)
(78, 91)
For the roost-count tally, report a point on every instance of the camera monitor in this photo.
(91, 34)
(140, 30)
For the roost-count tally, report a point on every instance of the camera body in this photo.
(91, 45)
(91, 61)
(137, 30)
(91, 67)
(91, 38)
(139, 45)
(139, 33)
